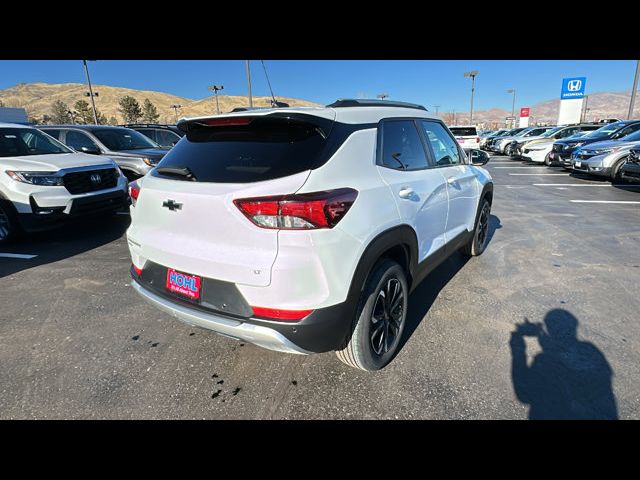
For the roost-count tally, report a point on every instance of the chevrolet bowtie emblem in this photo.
(172, 205)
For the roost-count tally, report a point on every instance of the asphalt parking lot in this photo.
(77, 342)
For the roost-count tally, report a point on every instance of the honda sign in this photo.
(573, 88)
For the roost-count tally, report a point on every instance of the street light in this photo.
(90, 92)
(634, 90)
(513, 105)
(382, 96)
(215, 89)
(436, 107)
(175, 107)
(473, 75)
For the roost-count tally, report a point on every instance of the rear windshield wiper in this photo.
(177, 172)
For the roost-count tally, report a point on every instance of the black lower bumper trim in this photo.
(44, 218)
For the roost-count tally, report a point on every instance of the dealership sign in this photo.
(524, 112)
(573, 88)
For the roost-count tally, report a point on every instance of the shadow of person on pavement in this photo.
(569, 379)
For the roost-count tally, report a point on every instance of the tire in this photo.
(616, 172)
(9, 226)
(547, 160)
(480, 238)
(367, 348)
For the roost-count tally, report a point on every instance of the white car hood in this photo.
(52, 162)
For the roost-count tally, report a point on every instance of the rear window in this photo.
(257, 149)
(464, 131)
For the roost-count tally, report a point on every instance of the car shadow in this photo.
(422, 298)
(66, 241)
(568, 379)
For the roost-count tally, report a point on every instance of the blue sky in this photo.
(428, 82)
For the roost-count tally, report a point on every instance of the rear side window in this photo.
(248, 149)
(402, 148)
(464, 131)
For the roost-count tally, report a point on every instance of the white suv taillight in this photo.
(134, 192)
(303, 211)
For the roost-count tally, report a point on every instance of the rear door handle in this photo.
(451, 180)
(405, 192)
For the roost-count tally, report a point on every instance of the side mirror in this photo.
(91, 150)
(478, 157)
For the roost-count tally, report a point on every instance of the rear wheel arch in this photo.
(398, 243)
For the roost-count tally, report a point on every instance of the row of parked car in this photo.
(608, 150)
(94, 164)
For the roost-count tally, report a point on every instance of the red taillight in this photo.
(229, 121)
(137, 270)
(134, 191)
(303, 211)
(278, 314)
(477, 139)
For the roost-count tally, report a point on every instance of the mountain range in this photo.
(37, 99)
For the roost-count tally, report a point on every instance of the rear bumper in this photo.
(325, 329)
(44, 218)
(256, 334)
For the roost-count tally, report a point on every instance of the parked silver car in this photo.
(134, 153)
(605, 159)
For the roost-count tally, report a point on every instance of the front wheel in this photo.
(380, 319)
(9, 228)
(616, 172)
(480, 238)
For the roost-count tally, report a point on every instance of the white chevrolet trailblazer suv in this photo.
(43, 182)
(305, 229)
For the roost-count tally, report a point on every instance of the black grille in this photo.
(557, 148)
(634, 156)
(81, 182)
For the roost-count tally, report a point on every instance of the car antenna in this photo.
(274, 102)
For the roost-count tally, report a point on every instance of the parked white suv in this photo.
(304, 229)
(467, 136)
(43, 182)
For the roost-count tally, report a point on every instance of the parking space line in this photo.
(23, 256)
(538, 174)
(531, 166)
(624, 202)
(582, 185)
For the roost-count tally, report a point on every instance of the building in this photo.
(13, 115)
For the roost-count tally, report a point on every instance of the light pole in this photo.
(215, 89)
(436, 107)
(90, 92)
(583, 117)
(473, 75)
(513, 106)
(634, 90)
(249, 81)
(382, 96)
(175, 107)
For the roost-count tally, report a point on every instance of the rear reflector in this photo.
(277, 314)
(304, 211)
(229, 121)
(137, 270)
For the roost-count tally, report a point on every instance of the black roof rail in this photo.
(357, 102)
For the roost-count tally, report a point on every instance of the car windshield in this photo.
(20, 142)
(118, 139)
(549, 133)
(632, 137)
(577, 135)
(523, 132)
(605, 131)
